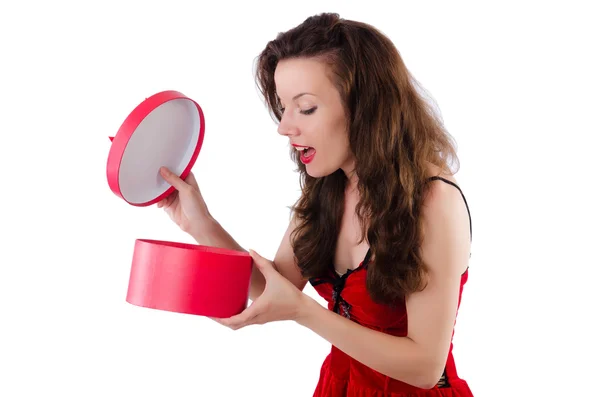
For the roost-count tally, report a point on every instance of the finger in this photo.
(256, 320)
(242, 319)
(264, 265)
(173, 179)
(167, 201)
(172, 197)
(217, 319)
(191, 179)
(224, 323)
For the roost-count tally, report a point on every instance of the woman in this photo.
(381, 230)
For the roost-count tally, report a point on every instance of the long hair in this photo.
(394, 134)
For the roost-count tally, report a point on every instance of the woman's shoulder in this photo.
(440, 184)
(435, 172)
(446, 221)
(444, 202)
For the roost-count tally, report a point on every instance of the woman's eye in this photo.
(309, 111)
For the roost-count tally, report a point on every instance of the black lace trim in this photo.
(340, 306)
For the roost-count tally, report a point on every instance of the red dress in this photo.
(343, 376)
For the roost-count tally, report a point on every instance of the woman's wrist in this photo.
(307, 308)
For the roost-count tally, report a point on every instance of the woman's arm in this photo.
(189, 210)
(420, 357)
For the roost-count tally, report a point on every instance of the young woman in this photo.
(381, 230)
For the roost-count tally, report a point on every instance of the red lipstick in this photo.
(307, 154)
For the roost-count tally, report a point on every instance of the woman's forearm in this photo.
(397, 357)
(212, 234)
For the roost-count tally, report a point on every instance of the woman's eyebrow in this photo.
(296, 96)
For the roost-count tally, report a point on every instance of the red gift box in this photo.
(167, 129)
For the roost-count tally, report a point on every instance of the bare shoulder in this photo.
(445, 226)
(441, 193)
(434, 170)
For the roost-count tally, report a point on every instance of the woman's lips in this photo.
(307, 153)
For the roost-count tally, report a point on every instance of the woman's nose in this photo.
(287, 128)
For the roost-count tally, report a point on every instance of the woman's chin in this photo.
(316, 172)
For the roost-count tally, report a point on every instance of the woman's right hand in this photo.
(185, 206)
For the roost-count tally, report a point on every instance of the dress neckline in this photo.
(361, 265)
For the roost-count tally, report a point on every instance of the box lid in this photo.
(166, 129)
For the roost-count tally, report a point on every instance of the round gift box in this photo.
(188, 278)
(167, 129)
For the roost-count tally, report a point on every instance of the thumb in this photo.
(264, 265)
(172, 179)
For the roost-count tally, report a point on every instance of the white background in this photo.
(517, 86)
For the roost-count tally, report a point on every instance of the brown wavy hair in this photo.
(394, 133)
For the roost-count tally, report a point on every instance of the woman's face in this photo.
(313, 117)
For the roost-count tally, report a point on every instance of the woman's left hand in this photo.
(281, 300)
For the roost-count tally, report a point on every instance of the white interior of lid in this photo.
(166, 137)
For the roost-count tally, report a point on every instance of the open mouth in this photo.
(307, 153)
